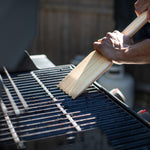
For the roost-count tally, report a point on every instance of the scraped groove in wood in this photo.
(94, 65)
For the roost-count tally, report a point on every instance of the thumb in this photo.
(97, 45)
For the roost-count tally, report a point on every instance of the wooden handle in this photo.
(135, 25)
(94, 65)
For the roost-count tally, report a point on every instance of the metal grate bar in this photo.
(115, 120)
(16, 90)
(58, 105)
(15, 137)
(49, 108)
(13, 104)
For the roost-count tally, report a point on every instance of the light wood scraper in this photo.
(94, 65)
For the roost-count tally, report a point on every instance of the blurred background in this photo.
(67, 29)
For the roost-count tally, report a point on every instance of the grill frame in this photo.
(58, 99)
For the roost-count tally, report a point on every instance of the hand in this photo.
(113, 46)
(141, 6)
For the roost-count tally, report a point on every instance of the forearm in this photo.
(137, 53)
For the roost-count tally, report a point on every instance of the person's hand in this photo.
(141, 6)
(113, 46)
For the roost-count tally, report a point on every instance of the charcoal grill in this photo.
(36, 114)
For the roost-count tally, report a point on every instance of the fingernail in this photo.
(97, 43)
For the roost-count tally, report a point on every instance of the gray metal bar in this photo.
(58, 105)
(14, 106)
(3, 107)
(25, 105)
(15, 137)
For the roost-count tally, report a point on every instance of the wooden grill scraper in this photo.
(94, 65)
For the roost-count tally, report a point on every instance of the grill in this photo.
(35, 114)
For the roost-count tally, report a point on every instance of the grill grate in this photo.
(50, 112)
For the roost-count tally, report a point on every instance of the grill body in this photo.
(48, 118)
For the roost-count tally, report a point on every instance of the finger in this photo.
(116, 31)
(140, 7)
(111, 35)
(148, 15)
(107, 41)
(136, 13)
(114, 35)
(100, 40)
(118, 34)
(136, 3)
(99, 45)
(131, 41)
(96, 45)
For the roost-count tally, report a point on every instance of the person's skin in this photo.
(141, 6)
(121, 49)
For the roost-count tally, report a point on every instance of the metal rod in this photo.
(77, 127)
(14, 106)
(25, 105)
(3, 107)
(15, 137)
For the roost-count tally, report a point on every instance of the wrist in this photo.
(122, 55)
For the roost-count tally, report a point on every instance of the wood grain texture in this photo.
(135, 25)
(94, 65)
(67, 28)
